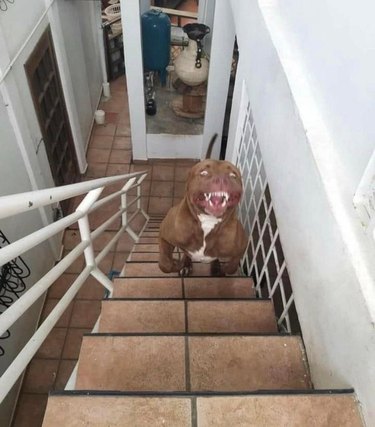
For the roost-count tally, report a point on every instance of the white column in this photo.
(131, 23)
(223, 36)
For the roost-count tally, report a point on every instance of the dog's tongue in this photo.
(216, 200)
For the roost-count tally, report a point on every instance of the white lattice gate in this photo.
(264, 260)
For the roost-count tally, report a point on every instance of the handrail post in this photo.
(84, 225)
(124, 216)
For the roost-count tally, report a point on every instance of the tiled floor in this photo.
(109, 154)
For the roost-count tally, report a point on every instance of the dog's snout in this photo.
(220, 180)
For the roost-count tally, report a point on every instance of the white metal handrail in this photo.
(20, 203)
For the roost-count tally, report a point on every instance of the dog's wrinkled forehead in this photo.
(209, 168)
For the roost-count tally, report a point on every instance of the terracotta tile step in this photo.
(317, 409)
(149, 240)
(143, 256)
(189, 287)
(146, 247)
(152, 269)
(191, 363)
(195, 316)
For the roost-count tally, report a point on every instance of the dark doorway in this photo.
(46, 90)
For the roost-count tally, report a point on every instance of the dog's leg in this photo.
(231, 266)
(167, 263)
(187, 266)
(216, 268)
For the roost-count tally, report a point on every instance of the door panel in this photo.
(46, 90)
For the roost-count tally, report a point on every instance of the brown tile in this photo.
(141, 256)
(91, 290)
(107, 129)
(201, 269)
(61, 285)
(132, 204)
(275, 411)
(96, 170)
(123, 129)
(30, 410)
(148, 288)
(148, 240)
(98, 155)
(119, 260)
(71, 239)
(161, 189)
(40, 375)
(102, 240)
(143, 363)
(142, 316)
(68, 411)
(66, 368)
(144, 269)
(120, 157)
(117, 169)
(99, 216)
(106, 263)
(182, 173)
(73, 342)
(77, 265)
(50, 305)
(138, 222)
(122, 143)
(125, 243)
(101, 141)
(85, 313)
(218, 287)
(224, 363)
(53, 344)
(145, 189)
(146, 247)
(179, 189)
(115, 104)
(231, 316)
(159, 205)
(142, 168)
(150, 233)
(111, 117)
(163, 173)
(112, 188)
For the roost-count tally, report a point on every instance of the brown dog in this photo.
(204, 224)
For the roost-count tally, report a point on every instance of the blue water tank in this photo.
(156, 42)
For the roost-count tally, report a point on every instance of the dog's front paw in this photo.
(187, 266)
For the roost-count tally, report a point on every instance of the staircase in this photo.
(194, 351)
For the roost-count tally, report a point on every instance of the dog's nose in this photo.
(220, 180)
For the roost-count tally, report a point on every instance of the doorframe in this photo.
(66, 83)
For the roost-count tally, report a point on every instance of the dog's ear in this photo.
(210, 146)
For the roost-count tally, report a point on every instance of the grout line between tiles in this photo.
(186, 317)
(187, 364)
(194, 413)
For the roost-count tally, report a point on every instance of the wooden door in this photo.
(45, 86)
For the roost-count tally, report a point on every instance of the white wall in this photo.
(83, 60)
(15, 179)
(335, 43)
(24, 164)
(313, 169)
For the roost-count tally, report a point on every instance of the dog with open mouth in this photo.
(204, 225)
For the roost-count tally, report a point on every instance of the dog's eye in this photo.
(233, 175)
(204, 173)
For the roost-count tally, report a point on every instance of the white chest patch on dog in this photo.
(208, 223)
